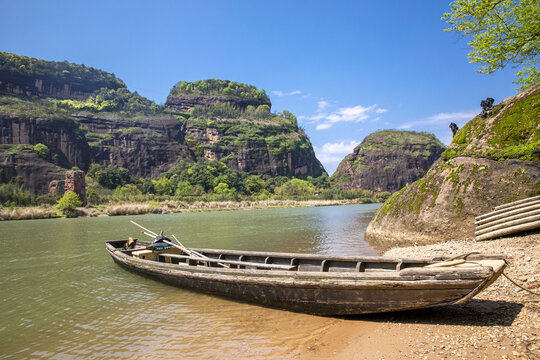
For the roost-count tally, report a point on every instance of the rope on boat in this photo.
(464, 256)
(515, 283)
(519, 286)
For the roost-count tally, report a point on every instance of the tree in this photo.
(254, 185)
(296, 187)
(183, 188)
(41, 150)
(68, 203)
(127, 192)
(223, 188)
(503, 32)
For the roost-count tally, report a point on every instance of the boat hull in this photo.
(312, 292)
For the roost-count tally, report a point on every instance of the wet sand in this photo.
(503, 322)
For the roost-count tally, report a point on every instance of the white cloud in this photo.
(321, 105)
(323, 126)
(334, 152)
(281, 93)
(356, 114)
(441, 119)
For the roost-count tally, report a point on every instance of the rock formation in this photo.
(491, 161)
(183, 103)
(75, 182)
(146, 141)
(61, 135)
(21, 75)
(57, 187)
(388, 160)
(19, 163)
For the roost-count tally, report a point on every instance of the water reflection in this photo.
(63, 297)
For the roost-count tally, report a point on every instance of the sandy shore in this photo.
(503, 322)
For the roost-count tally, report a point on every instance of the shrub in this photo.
(126, 192)
(295, 187)
(41, 150)
(68, 203)
(14, 193)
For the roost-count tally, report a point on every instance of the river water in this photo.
(62, 296)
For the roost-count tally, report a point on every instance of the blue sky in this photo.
(344, 68)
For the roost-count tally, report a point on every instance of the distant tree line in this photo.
(62, 70)
(117, 100)
(218, 87)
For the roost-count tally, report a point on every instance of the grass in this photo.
(25, 213)
(173, 206)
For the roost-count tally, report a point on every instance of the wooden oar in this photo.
(179, 246)
(145, 229)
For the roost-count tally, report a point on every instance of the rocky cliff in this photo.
(226, 121)
(22, 164)
(185, 96)
(21, 75)
(490, 161)
(388, 160)
(62, 135)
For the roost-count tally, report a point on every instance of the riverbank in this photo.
(164, 207)
(502, 322)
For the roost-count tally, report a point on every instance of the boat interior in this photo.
(234, 259)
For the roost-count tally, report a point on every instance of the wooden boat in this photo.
(316, 284)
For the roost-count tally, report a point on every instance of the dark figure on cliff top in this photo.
(487, 106)
(454, 128)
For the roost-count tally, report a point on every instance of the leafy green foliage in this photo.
(503, 32)
(15, 193)
(515, 131)
(68, 203)
(41, 150)
(391, 140)
(109, 176)
(62, 70)
(223, 188)
(110, 100)
(126, 192)
(217, 87)
(254, 185)
(295, 187)
(34, 108)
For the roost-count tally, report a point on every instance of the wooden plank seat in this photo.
(215, 262)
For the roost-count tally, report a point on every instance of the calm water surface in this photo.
(62, 297)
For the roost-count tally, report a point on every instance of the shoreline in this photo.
(502, 322)
(164, 207)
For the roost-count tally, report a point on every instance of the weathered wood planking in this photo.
(507, 219)
(318, 284)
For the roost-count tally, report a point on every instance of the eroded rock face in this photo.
(442, 205)
(257, 156)
(63, 137)
(47, 86)
(186, 103)
(145, 147)
(461, 185)
(75, 182)
(388, 160)
(57, 187)
(29, 169)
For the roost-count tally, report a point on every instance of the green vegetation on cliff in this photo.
(388, 160)
(482, 168)
(215, 87)
(393, 140)
(85, 116)
(507, 132)
(59, 70)
(113, 100)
